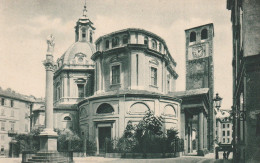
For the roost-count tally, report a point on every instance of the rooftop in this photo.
(9, 93)
(191, 92)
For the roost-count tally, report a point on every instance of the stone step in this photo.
(46, 158)
(49, 160)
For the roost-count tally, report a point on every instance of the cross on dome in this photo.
(85, 9)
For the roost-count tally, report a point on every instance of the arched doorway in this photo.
(104, 128)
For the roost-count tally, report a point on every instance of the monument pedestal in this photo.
(48, 140)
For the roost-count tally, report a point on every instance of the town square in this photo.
(130, 81)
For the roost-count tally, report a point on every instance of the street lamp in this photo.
(217, 101)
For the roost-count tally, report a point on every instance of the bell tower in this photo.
(200, 68)
(84, 29)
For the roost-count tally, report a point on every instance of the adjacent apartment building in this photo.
(15, 116)
(245, 18)
(224, 127)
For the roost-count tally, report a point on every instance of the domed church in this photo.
(98, 91)
(101, 86)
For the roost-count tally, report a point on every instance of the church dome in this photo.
(78, 53)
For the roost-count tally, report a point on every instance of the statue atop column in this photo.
(50, 43)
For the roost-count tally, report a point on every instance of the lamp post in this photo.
(217, 101)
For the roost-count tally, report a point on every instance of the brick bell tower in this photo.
(200, 68)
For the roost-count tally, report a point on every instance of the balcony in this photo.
(12, 133)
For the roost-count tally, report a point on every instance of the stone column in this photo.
(200, 137)
(48, 138)
(205, 132)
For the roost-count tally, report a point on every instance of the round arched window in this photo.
(192, 36)
(67, 118)
(204, 34)
(169, 111)
(105, 109)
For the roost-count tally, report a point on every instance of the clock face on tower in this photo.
(198, 51)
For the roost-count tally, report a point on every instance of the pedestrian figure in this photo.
(216, 152)
(224, 155)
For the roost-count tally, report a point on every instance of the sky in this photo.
(25, 25)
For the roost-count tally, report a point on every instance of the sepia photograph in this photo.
(130, 81)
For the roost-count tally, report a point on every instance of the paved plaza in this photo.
(209, 158)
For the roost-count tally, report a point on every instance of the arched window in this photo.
(146, 40)
(204, 34)
(115, 42)
(105, 109)
(67, 118)
(160, 47)
(80, 90)
(107, 44)
(169, 111)
(154, 44)
(125, 39)
(83, 33)
(90, 37)
(67, 122)
(139, 107)
(192, 36)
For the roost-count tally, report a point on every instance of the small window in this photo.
(192, 36)
(12, 113)
(115, 42)
(80, 90)
(12, 103)
(115, 74)
(160, 47)
(12, 126)
(227, 125)
(223, 140)
(154, 45)
(223, 133)
(107, 44)
(82, 133)
(153, 76)
(204, 34)
(2, 111)
(228, 140)
(67, 118)
(3, 102)
(223, 126)
(90, 37)
(2, 148)
(2, 137)
(146, 40)
(125, 39)
(228, 133)
(83, 34)
(2, 126)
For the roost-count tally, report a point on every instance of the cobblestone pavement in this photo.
(209, 158)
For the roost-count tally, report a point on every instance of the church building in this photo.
(101, 86)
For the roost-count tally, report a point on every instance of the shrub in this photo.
(91, 147)
(69, 141)
(27, 142)
(146, 137)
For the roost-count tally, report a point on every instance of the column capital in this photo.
(49, 66)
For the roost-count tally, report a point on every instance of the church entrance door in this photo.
(103, 134)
